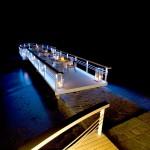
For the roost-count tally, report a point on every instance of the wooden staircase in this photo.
(93, 141)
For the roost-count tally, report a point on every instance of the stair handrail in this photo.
(75, 120)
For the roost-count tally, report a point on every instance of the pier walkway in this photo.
(64, 72)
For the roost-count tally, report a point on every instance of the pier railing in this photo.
(44, 59)
(99, 108)
(52, 76)
(98, 71)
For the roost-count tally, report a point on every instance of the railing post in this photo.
(106, 73)
(101, 118)
(55, 82)
(60, 53)
(44, 71)
(75, 58)
(87, 65)
(29, 56)
(59, 80)
(29, 45)
(33, 59)
(38, 65)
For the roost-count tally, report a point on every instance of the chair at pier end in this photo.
(72, 64)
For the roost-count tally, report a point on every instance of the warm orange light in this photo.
(62, 58)
(60, 84)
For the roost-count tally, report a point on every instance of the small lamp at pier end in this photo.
(98, 74)
(60, 80)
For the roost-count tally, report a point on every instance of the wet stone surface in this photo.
(120, 108)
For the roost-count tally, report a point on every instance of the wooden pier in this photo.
(85, 74)
(72, 80)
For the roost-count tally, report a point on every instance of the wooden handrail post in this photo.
(101, 118)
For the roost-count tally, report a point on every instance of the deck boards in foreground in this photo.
(94, 142)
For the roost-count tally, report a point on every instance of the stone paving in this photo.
(133, 134)
(120, 108)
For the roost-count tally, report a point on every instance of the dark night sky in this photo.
(116, 37)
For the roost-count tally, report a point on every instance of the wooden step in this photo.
(94, 142)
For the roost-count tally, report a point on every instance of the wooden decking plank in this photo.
(94, 142)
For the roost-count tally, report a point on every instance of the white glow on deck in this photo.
(73, 80)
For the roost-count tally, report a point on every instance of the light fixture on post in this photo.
(53, 50)
(59, 80)
(98, 74)
(56, 56)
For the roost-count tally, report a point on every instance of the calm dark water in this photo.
(27, 107)
(137, 98)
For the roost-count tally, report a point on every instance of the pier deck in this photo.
(94, 142)
(77, 81)
(74, 79)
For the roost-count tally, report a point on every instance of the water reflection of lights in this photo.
(26, 76)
